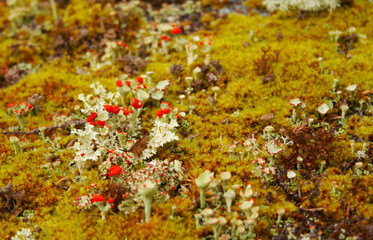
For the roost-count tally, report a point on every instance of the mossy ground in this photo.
(297, 73)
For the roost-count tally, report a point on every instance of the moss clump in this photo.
(262, 73)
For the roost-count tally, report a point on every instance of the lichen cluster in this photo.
(278, 100)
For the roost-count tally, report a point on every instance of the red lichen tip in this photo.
(115, 170)
(100, 123)
(119, 83)
(140, 79)
(159, 113)
(136, 103)
(98, 198)
(166, 110)
(126, 111)
(176, 30)
(111, 150)
(108, 108)
(110, 200)
(116, 109)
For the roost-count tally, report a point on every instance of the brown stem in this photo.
(37, 131)
(348, 210)
(311, 209)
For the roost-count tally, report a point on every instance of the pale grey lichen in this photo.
(304, 5)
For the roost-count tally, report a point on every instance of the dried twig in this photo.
(62, 179)
(37, 131)
(193, 136)
(311, 209)
(186, 181)
(61, 184)
(331, 117)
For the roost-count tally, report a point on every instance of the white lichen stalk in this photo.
(147, 191)
(203, 182)
(229, 196)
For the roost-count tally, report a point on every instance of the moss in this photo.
(298, 72)
(361, 127)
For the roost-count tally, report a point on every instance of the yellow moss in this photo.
(299, 72)
(361, 127)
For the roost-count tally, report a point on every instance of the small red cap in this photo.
(116, 109)
(108, 108)
(136, 103)
(101, 123)
(114, 170)
(126, 111)
(176, 30)
(119, 83)
(140, 79)
(166, 110)
(98, 198)
(159, 113)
